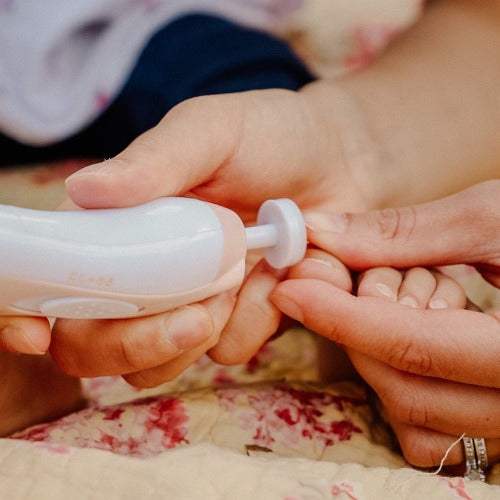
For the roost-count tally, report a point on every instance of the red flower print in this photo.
(344, 489)
(142, 428)
(459, 488)
(286, 415)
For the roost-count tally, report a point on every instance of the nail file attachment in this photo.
(135, 261)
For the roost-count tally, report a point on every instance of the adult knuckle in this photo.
(143, 379)
(66, 363)
(187, 106)
(396, 223)
(204, 321)
(130, 358)
(411, 357)
(483, 198)
(199, 106)
(478, 211)
(418, 450)
(226, 356)
(333, 330)
(409, 409)
(66, 353)
(147, 144)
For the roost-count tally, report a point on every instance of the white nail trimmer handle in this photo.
(118, 263)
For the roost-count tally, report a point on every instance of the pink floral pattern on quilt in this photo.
(286, 414)
(140, 428)
(459, 489)
(345, 489)
(266, 414)
(246, 404)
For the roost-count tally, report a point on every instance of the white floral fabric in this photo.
(62, 62)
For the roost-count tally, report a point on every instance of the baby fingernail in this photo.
(188, 327)
(385, 291)
(438, 304)
(19, 341)
(105, 168)
(322, 221)
(324, 263)
(408, 300)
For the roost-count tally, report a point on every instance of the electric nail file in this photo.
(127, 262)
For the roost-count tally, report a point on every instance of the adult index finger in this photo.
(452, 344)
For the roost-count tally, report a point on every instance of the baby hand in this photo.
(416, 287)
(426, 358)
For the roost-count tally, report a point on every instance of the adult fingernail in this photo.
(288, 306)
(438, 304)
(188, 327)
(17, 340)
(103, 169)
(409, 301)
(322, 221)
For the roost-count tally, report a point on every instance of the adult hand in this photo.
(460, 229)
(436, 371)
(236, 150)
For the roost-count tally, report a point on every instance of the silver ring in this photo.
(476, 458)
(481, 454)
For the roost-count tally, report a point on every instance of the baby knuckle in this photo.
(259, 306)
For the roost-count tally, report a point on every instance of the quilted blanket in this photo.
(269, 429)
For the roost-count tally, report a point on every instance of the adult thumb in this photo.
(460, 229)
(182, 151)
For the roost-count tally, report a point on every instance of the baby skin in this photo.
(416, 287)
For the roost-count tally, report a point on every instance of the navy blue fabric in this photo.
(194, 55)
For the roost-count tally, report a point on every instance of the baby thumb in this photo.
(458, 229)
